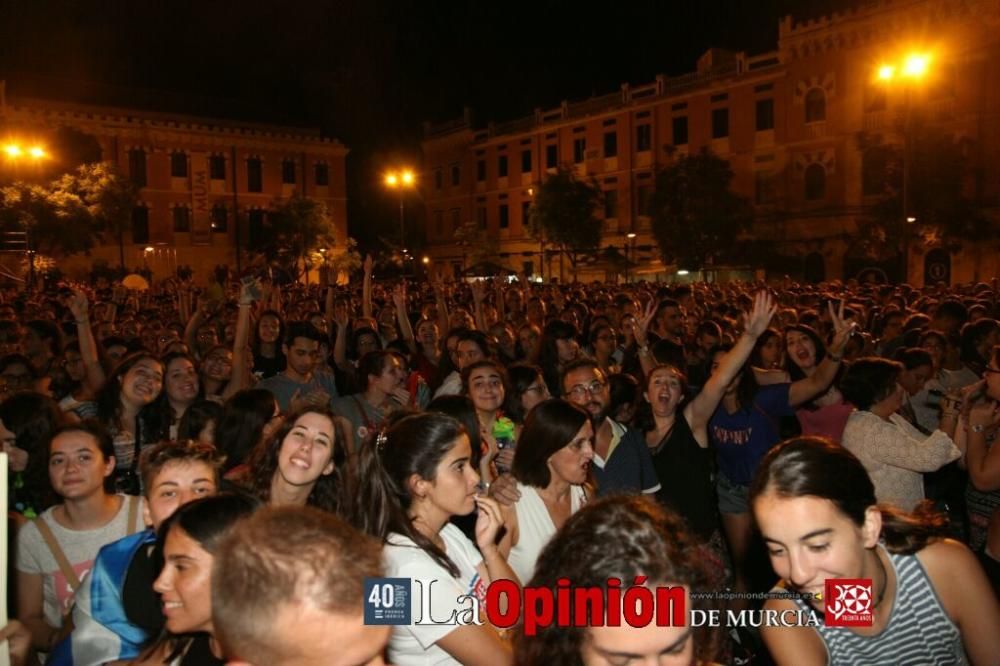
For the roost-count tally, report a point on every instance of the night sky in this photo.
(367, 72)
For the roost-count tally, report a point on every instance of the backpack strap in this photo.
(57, 553)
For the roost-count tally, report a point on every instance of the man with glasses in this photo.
(621, 458)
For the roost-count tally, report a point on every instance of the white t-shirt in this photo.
(415, 644)
(535, 528)
(80, 548)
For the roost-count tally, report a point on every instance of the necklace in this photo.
(885, 581)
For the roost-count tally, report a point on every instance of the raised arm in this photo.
(366, 288)
(478, 296)
(700, 410)
(342, 319)
(88, 346)
(983, 462)
(442, 307)
(403, 317)
(806, 389)
(240, 378)
(642, 338)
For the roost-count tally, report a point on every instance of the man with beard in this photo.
(622, 462)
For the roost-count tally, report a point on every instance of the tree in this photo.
(109, 196)
(939, 173)
(477, 245)
(695, 215)
(338, 263)
(563, 214)
(295, 227)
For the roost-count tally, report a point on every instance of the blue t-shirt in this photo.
(741, 439)
(283, 388)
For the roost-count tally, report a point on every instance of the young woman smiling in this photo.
(300, 464)
(931, 603)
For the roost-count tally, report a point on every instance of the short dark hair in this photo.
(302, 329)
(152, 460)
(913, 357)
(550, 426)
(869, 380)
(578, 364)
(100, 436)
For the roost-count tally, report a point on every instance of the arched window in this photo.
(815, 182)
(140, 224)
(815, 105)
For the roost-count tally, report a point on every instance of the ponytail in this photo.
(414, 444)
(907, 533)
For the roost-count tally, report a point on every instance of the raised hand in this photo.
(399, 295)
(488, 522)
(642, 323)
(757, 320)
(478, 291)
(78, 305)
(842, 330)
(369, 264)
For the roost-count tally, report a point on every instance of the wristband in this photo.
(977, 428)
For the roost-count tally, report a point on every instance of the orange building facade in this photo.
(205, 184)
(793, 124)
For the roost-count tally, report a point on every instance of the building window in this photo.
(438, 178)
(439, 223)
(720, 123)
(611, 144)
(456, 174)
(456, 219)
(815, 105)
(217, 167)
(643, 137)
(680, 130)
(481, 217)
(182, 219)
(178, 165)
(322, 175)
(525, 161)
(480, 170)
(764, 116)
(255, 176)
(140, 224)
(610, 204)
(763, 187)
(288, 172)
(525, 214)
(815, 178)
(504, 216)
(220, 219)
(255, 225)
(644, 194)
(579, 149)
(502, 166)
(137, 166)
(551, 156)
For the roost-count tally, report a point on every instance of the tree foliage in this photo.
(563, 214)
(72, 213)
(939, 177)
(695, 214)
(480, 246)
(294, 229)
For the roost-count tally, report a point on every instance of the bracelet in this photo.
(977, 428)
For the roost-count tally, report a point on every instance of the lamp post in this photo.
(630, 253)
(912, 69)
(401, 180)
(17, 154)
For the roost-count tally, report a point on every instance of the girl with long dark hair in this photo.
(411, 480)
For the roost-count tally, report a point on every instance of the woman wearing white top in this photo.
(56, 551)
(412, 479)
(551, 466)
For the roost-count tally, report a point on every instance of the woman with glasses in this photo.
(604, 342)
(526, 389)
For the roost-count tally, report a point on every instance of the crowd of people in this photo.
(207, 476)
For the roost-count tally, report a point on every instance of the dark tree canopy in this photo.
(563, 214)
(294, 229)
(695, 215)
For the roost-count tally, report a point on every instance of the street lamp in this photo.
(402, 180)
(631, 252)
(911, 69)
(18, 153)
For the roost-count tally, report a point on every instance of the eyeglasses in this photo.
(541, 389)
(580, 390)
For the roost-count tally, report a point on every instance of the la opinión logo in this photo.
(848, 602)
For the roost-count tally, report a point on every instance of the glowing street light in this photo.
(15, 151)
(886, 72)
(401, 180)
(12, 150)
(37, 152)
(915, 65)
(426, 260)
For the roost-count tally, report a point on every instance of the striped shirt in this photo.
(919, 631)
